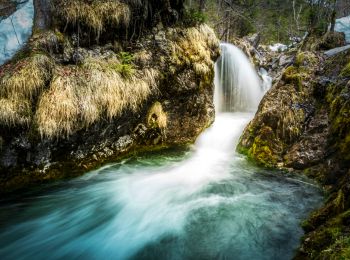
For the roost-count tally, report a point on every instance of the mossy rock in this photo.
(292, 75)
(262, 148)
(346, 71)
(339, 106)
(331, 40)
(306, 60)
(331, 241)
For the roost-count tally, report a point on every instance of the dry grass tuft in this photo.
(156, 116)
(27, 78)
(94, 14)
(57, 112)
(79, 97)
(143, 57)
(195, 49)
(15, 111)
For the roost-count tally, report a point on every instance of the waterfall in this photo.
(207, 203)
(237, 85)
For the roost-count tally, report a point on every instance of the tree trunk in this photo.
(42, 18)
(333, 17)
(202, 5)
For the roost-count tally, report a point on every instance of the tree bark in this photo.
(333, 21)
(202, 5)
(42, 14)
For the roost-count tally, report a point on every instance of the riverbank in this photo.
(302, 125)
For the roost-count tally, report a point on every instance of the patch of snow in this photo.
(15, 31)
(343, 25)
(278, 47)
(335, 51)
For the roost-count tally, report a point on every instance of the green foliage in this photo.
(126, 66)
(194, 17)
(126, 57)
(261, 149)
(346, 71)
(291, 75)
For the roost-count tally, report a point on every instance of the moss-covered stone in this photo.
(260, 150)
(346, 71)
(291, 75)
(331, 40)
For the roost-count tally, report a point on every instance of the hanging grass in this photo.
(94, 14)
(27, 77)
(15, 111)
(194, 49)
(80, 96)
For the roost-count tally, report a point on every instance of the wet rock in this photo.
(123, 143)
(285, 60)
(79, 55)
(282, 115)
(254, 39)
(9, 158)
(42, 153)
(311, 148)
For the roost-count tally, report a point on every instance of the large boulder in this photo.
(332, 40)
(68, 104)
(302, 125)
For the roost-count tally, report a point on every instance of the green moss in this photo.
(242, 150)
(291, 75)
(339, 202)
(126, 70)
(330, 240)
(60, 36)
(345, 147)
(126, 67)
(300, 58)
(193, 17)
(339, 111)
(345, 71)
(262, 153)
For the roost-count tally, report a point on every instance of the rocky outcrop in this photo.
(302, 125)
(79, 96)
(282, 113)
(7, 7)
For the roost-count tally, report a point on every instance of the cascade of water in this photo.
(238, 87)
(211, 205)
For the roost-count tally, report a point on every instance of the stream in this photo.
(199, 202)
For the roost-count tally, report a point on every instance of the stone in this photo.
(332, 40)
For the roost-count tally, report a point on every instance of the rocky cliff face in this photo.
(7, 7)
(98, 85)
(302, 124)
